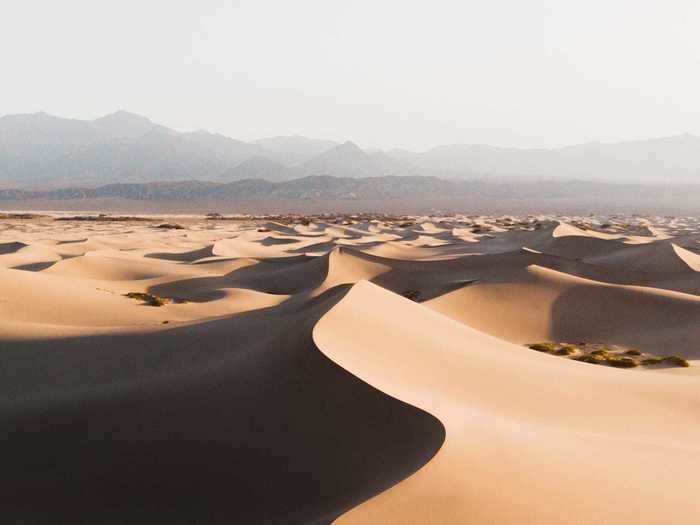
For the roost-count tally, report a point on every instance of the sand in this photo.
(348, 371)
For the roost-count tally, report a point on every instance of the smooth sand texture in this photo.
(530, 438)
(287, 381)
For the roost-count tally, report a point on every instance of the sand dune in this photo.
(538, 304)
(530, 438)
(355, 370)
(658, 257)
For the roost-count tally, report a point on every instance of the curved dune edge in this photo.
(530, 438)
(234, 420)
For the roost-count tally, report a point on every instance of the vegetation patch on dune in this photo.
(676, 361)
(590, 358)
(150, 300)
(565, 350)
(154, 300)
(22, 216)
(616, 356)
(103, 217)
(543, 347)
(621, 362)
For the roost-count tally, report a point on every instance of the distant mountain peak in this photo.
(349, 144)
(349, 160)
(346, 148)
(122, 115)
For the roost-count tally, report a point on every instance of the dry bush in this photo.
(150, 300)
(676, 360)
(621, 362)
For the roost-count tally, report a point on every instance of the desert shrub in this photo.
(676, 360)
(621, 362)
(590, 358)
(543, 347)
(151, 300)
(155, 301)
(565, 350)
(613, 356)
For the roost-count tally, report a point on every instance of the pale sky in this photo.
(383, 73)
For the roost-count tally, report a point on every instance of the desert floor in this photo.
(350, 369)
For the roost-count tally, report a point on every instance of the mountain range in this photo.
(42, 151)
(327, 193)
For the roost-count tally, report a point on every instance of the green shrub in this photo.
(676, 360)
(565, 350)
(543, 347)
(621, 362)
(590, 358)
(151, 300)
(613, 356)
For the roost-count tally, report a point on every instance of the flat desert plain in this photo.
(350, 369)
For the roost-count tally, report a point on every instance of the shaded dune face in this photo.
(189, 256)
(279, 277)
(668, 323)
(221, 422)
(284, 381)
(10, 247)
(536, 303)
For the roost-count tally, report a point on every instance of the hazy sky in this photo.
(381, 72)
